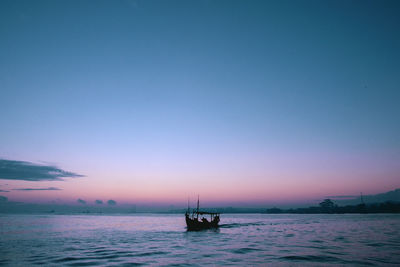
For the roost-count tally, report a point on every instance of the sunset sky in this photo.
(237, 101)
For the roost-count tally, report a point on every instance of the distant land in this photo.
(328, 206)
(369, 199)
(384, 202)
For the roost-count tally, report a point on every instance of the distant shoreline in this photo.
(373, 208)
(326, 207)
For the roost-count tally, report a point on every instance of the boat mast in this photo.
(198, 204)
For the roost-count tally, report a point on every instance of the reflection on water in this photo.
(162, 240)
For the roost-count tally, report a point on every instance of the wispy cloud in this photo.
(37, 189)
(28, 171)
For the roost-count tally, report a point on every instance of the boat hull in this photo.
(196, 225)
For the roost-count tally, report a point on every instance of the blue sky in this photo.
(163, 90)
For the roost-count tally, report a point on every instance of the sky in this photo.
(235, 101)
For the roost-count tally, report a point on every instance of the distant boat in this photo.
(193, 222)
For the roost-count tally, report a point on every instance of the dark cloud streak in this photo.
(37, 189)
(28, 171)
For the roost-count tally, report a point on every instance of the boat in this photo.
(196, 220)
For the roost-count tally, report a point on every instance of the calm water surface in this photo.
(283, 240)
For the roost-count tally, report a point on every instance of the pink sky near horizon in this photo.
(300, 178)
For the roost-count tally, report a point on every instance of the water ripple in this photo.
(251, 239)
(311, 258)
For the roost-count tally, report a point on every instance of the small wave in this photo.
(382, 260)
(99, 257)
(39, 259)
(131, 264)
(322, 259)
(87, 263)
(244, 250)
(336, 252)
(375, 245)
(67, 259)
(312, 258)
(3, 262)
(209, 255)
(151, 253)
(100, 251)
(108, 257)
(234, 225)
(317, 241)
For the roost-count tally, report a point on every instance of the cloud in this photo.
(4, 191)
(112, 202)
(3, 199)
(81, 201)
(37, 189)
(28, 171)
(99, 202)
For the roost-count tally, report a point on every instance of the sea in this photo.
(162, 240)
